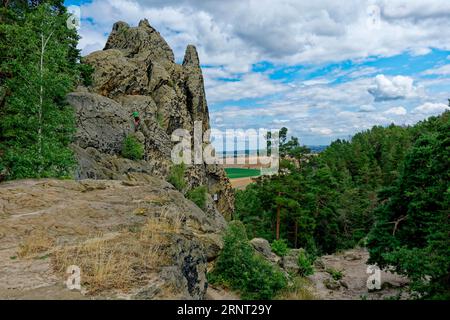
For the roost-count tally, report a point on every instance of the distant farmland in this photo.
(236, 173)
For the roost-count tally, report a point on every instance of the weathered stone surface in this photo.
(136, 72)
(74, 213)
(353, 285)
(290, 261)
(262, 246)
(141, 40)
(116, 75)
(102, 123)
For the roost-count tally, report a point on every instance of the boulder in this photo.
(290, 261)
(262, 246)
(102, 123)
(160, 240)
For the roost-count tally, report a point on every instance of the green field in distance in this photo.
(234, 173)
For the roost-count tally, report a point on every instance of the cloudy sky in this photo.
(324, 69)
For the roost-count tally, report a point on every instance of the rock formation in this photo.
(134, 240)
(131, 233)
(136, 71)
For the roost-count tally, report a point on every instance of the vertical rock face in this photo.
(136, 71)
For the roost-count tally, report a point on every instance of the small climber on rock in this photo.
(137, 120)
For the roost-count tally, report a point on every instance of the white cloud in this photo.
(251, 85)
(321, 131)
(443, 70)
(397, 111)
(231, 36)
(290, 31)
(398, 87)
(420, 51)
(429, 108)
(367, 108)
(280, 121)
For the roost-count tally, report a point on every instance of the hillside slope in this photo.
(131, 239)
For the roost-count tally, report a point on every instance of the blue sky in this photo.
(323, 70)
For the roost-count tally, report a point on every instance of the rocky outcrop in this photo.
(290, 261)
(136, 72)
(262, 246)
(135, 239)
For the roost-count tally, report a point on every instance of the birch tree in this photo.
(36, 126)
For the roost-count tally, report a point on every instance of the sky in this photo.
(324, 69)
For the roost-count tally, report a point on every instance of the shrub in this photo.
(160, 119)
(176, 176)
(240, 268)
(132, 148)
(198, 196)
(305, 264)
(335, 274)
(280, 247)
(86, 72)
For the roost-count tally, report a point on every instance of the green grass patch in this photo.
(234, 173)
(132, 148)
(176, 176)
(198, 196)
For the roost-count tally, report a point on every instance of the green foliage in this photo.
(411, 231)
(176, 176)
(327, 203)
(132, 148)
(280, 247)
(86, 72)
(392, 182)
(234, 173)
(335, 274)
(305, 264)
(39, 67)
(160, 119)
(198, 196)
(291, 148)
(240, 268)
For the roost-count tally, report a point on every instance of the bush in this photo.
(132, 148)
(160, 119)
(86, 72)
(280, 247)
(176, 176)
(241, 269)
(198, 196)
(305, 264)
(335, 274)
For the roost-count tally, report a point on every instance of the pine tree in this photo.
(36, 126)
(412, 225)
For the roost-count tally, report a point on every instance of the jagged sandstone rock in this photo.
(136, 71)
(163, 240)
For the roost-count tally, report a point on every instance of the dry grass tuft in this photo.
(36, 243)
(121, 262)
(300, 290)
